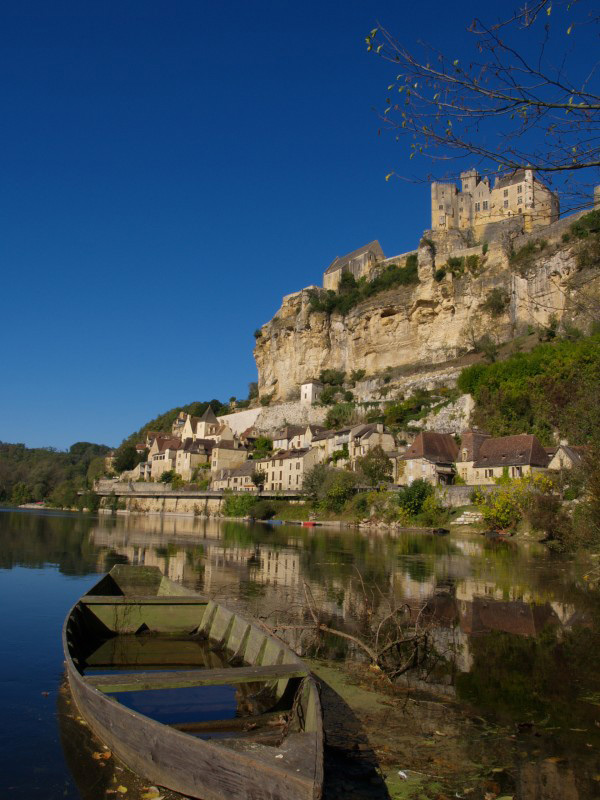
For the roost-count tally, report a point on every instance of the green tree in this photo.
(375, 466)
(126, 458)
(258, 478)
(314, 481)
(411, 498)
(263, 447)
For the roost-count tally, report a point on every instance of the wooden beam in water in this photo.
(144, 681)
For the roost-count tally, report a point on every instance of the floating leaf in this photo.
(122, 789)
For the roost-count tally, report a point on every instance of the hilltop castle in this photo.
(517, 203)
(478, 204)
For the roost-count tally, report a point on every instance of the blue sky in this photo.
(169, 172)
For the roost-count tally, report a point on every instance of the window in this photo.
(489, 473)
(442, 219)
(519, 189)
(506, 193)
(477, 206)
(485, 205)
(519, 200)
(440, 208)
(506, 204)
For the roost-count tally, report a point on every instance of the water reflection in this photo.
(516, 629)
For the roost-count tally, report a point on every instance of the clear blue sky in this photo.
(170, 171)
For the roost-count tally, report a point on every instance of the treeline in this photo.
(44, 474)
(552, 389)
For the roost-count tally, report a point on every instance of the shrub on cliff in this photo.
(352, 292)
(552, 389)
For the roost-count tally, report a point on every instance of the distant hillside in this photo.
(33, 474)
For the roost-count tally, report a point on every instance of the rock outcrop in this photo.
(429, 323)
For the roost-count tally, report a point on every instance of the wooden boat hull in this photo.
(199, 768)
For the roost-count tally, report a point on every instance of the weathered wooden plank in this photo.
(195, 767)
(134, 600)
(143, 681)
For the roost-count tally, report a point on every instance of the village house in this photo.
(364, 437)
(227, 455)
(178, 424)
(151, 436)
(483, 458)
(206, 427)
(329, 442)
(141, 472)
(310, 392)
(249, 436)
(565, 457)
(191, 455)
(238, 479)
(295, 437)
(162, 455)
(286, 470)
(430, 457)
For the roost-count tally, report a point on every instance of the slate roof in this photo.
(518, 176)
(514, 451)
(440, 448)
(341, 261)
(198, 446)
(209, 416)
(283, 455)
(289, 432)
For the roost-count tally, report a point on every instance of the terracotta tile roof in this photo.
(520, 450)
(168, 443)
(341, 262)
(440, 448)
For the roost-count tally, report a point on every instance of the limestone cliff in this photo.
(427, 323)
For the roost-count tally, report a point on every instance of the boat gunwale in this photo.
(245, 761)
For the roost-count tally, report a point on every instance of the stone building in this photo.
(477, 204)
(359, 262)
(310, 392)
(286, 470)
(430, 457)
(483, 458)
(227, 455)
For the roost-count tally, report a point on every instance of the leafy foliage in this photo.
(412, 498)
(551, 389)
(32, 474)
(496, 302)
(375, 466)
(332, 377)
(352, 292)
(338, 415)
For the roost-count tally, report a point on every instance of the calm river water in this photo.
(519, 629)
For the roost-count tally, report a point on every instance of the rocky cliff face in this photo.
(428, 323)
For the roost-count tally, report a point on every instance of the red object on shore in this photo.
(309, 524)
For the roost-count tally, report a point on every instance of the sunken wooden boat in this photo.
(144, 656)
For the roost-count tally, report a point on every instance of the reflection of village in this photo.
(204, 555)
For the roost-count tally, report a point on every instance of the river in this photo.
(517, 628)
